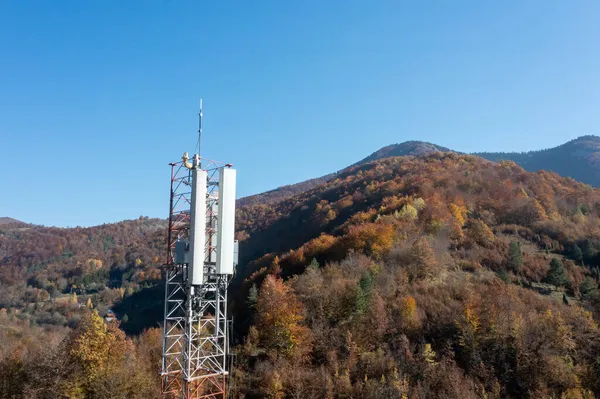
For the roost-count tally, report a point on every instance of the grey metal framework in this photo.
(195, 340)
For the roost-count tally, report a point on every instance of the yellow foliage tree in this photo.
(280, 320)
(329, 216)
(371, 238)
(99, 352)
(408, 212)
(391, 203)
(89, 345)
(419, 203)
(274, 387)
(319, 245)
(363, 217)
(459, 212)
(429, 355)
(408, 311)
(468, 326)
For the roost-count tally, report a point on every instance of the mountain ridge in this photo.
(586, 147)
(578, 158)
(407, 148)
(9, 220)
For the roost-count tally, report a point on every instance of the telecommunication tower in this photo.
(201, 258)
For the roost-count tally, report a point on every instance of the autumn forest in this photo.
(434, 276)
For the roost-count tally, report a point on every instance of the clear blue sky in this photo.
(96, 97)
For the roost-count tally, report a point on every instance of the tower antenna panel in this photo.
(226, 218)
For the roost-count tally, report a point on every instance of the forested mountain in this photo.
(45, 269)
(578, 159)
(444, 276)
(440, 276)
(408, 148)
(7, 220)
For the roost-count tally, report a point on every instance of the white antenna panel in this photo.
(226, 217)
(197, 227)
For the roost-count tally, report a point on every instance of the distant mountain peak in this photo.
(407, 148)
(7, 220)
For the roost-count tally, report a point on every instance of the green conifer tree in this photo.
(576, 253)
(558, 274)
(363, 292)
(587, 249)
(503, 274)
(588, 288)
(515, 256)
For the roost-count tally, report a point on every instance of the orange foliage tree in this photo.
(371, 238)
(280, 321)
(459, 212)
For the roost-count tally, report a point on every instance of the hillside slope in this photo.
(283, 192)
(470, 180)
(439, 276)
(578, 159)
(408, 148)
(58, 269)
(7, 220)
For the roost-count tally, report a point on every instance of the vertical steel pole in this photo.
(169, 259)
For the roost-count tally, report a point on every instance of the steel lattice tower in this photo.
(195, 338)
